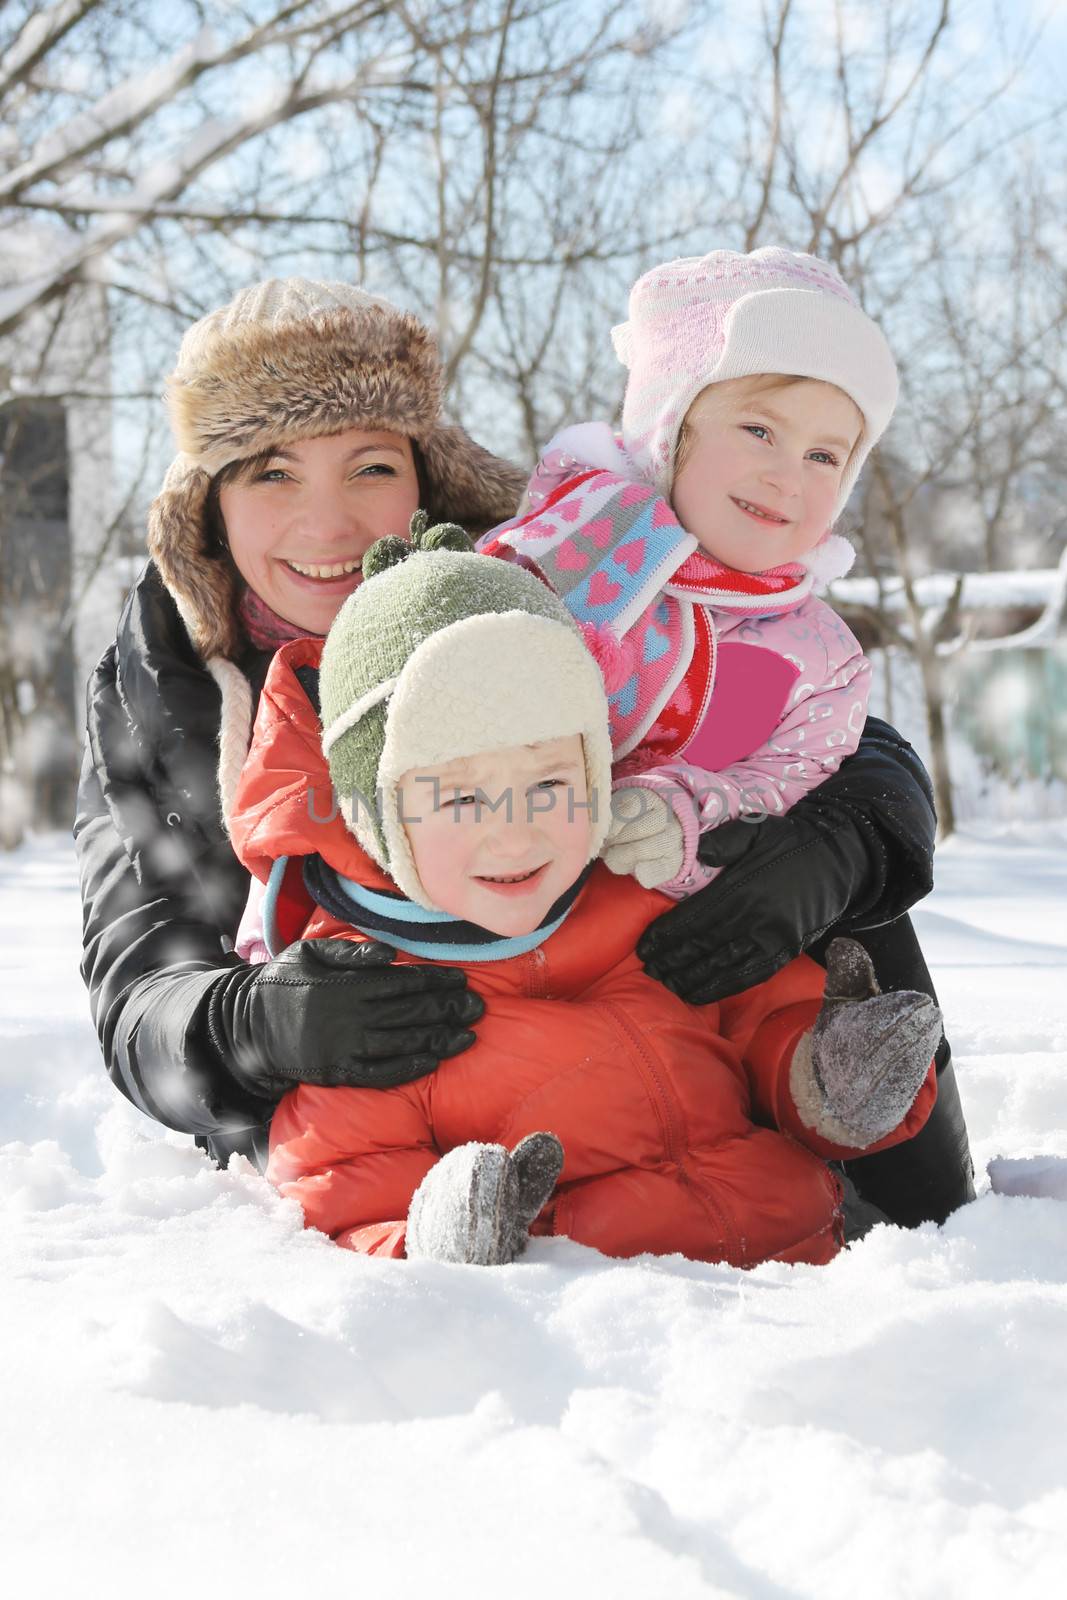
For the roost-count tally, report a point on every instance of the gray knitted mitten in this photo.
(856, 1074)
(477, 1203)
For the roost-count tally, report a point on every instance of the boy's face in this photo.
(498, 837)
(761, 470)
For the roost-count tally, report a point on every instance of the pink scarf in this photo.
(266, 629)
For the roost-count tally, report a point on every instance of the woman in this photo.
(307, 416)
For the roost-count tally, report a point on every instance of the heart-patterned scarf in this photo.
(642, 592)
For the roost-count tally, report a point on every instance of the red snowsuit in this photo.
(677, 1122)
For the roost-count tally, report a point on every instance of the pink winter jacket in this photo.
(819, 725)
(732, 694)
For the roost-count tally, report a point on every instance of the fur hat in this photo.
(704, 319)
(292, 359)
(439, 654)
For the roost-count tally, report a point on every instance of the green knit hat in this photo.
(442, 654)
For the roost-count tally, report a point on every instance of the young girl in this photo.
(688, 547)
(466, 731)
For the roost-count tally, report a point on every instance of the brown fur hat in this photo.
(292, 359)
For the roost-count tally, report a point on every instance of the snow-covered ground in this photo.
(199, 1397)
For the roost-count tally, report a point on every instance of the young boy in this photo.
(688, 547)
(466, 731)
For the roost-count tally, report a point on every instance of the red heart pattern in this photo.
(601, 531)
(634, 494)
(602, 591)
(569, 558)
(631, 555)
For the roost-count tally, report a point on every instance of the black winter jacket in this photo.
(163, 892)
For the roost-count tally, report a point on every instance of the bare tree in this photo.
(507, 167)
(907, 157)
(164, 159)
(327, 128)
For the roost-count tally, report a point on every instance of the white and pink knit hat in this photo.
(703, 319)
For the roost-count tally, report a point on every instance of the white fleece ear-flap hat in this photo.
(442, 654)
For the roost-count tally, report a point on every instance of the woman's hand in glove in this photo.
(786, 880)
(331, 1011)
(855, 853)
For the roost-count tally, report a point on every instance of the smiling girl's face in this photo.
(298, 525)
(759, 468)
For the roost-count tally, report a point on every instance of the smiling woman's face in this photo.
(299, 528)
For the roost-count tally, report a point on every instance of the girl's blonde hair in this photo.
(761, 383)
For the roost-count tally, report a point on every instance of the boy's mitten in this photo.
(856, 1074)
(645, 837)
(476, 1205)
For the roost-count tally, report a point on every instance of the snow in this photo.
(1035, 586)
(1045, 588)
(1043, 1177)
(130, 102)
(198, 1393)
(119, 109)
(44, 26)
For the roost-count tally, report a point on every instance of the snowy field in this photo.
(200, 1397)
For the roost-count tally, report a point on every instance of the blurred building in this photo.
(61, 574)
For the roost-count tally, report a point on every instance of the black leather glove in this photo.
(787, 880)
(330, 1011)
(853, 854)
